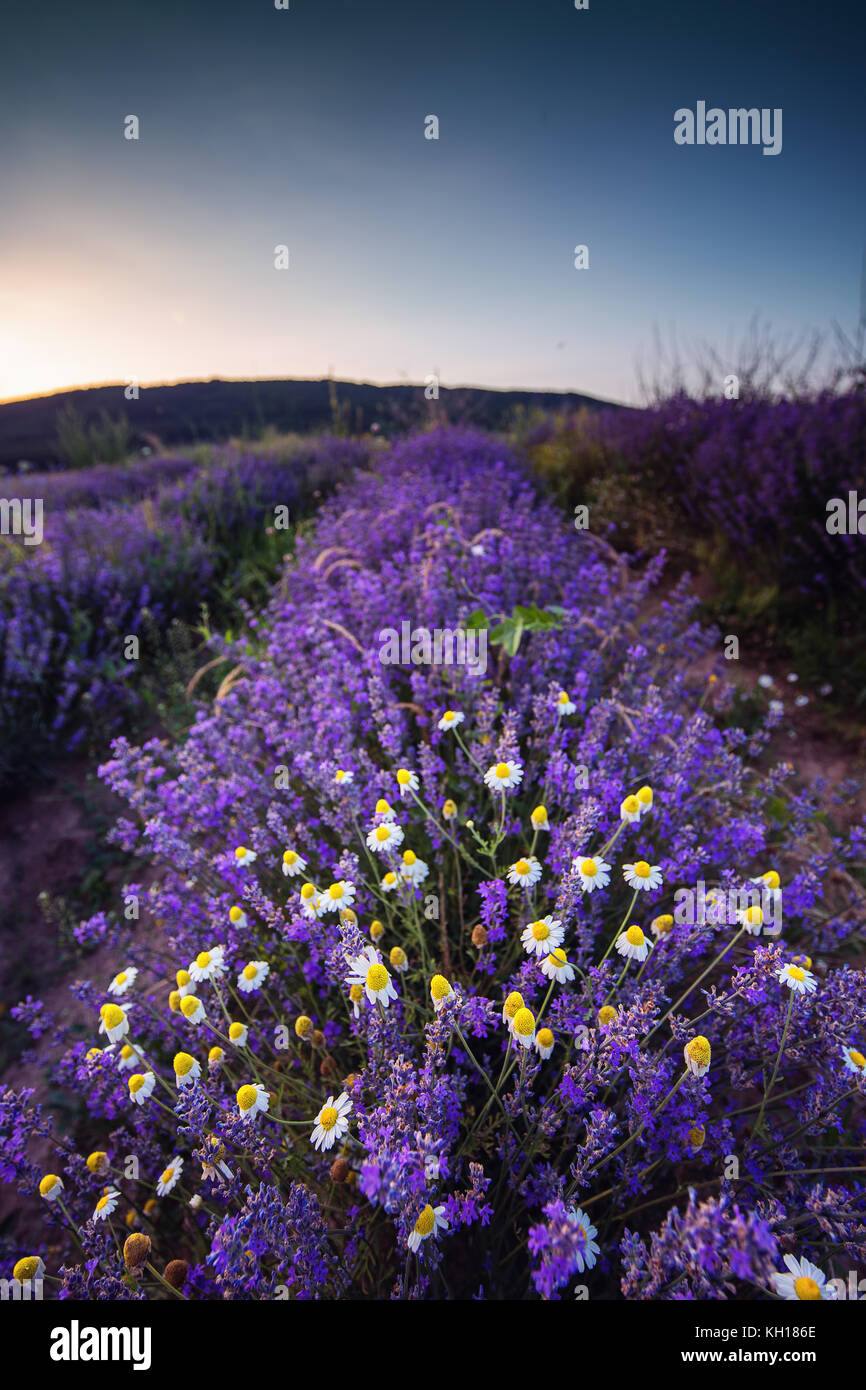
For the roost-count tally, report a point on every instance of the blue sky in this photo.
(153, 259)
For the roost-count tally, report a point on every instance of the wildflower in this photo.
(50, 1187)
(340, 894)
(385, 837)
(377, 929)
(440, 990)
(310, 901)
(556, 967)
(543, 936)
(356, 994)
(398, 959)
(697, 1138)
(797, 979)
(449, 809)
(805, 961)
(368, 970)
(244, 857)
(585, 1255)
(175, 1273)
(479, 935)
(430, 1221)
(383, 809)
(803, 1281)
(29, 1269)
(340, 1170)
(697, 1054)
(332, 1122)
(136, 1251)
(141, 1086)
(303, 1027)
(238, 1034)
(539, 818)
(662, 926)
(195, 1201)
(170, 1177)
(97, 1162)
(192, 1009)
(407, 781)
(293, 864)
(752, 920)
(855, 1062)
(413, 869)
(123, 982)
(450, 719)
(594, 873)
(645, 799)
(642, 875)
(113, 1022)
(343, 777)
(215, 1057)
(503, 776)
(106, 1204)
(128, 1058)
(253, 976)
(208, 965)
(544, 1043)
(252, 1099)
(633, 944)
(512, 1004)
(564, 705)
(525, 872)
(174, 1001)
(629, 811)
(766, 682)
(606, 1015)
(771, 882)
(523, 1027)
(184, 982)
(186, 1069)
(390, 881)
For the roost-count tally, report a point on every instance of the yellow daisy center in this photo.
(540, 931)
(545, 1038)
(502, 771)
(634, 936)
(183, 1063)
(246, 1097)
(588, 868)
(796, 973)
(328, 1117)
(409, 858)
(631, 804)
(336, 891)
(26, 1268)
(168, 1175)
(439, 987)
(606, 1014)
(189, 1006)
(426, 1221)
(356, 993)
(48, 1183)
(772, 879)
(699, 1050)
(250, 972)
(202, 960)
(383, 834)
(807, 1289)
(754, 916)
(522, 867)
(449, 715)
(539, 815)
(182, 977)
(642, 869)
(398, 956)
(112, 1015)
(135, 1083)
(289, 857)
(377, 977)
(558, 957)
(236, 1030)
(121, 978)
(240, 851)
(307, 892)
(235, 914)
(524, 1023)
(382, 807)
(664, 923)
(645, 796)
(102, 1203)
(390, 878)
(403, 777)
(512, 1004)
(857, 1058)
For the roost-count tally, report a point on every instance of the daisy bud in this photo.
(97, 1162)
(136, 1249)
(440, 990)
(28, 1269)
(479, 935)
(303, 1026)
(339, 1170)
(697, 1137)
(151, 1207)
(539, 817)
(377, 930)
(512, 1004)
(328, 1067)
(175, 1273)
(661, 926)
(174, 1001)
(318, 1038)
(606, 1014)
(449, 809)
(697, 1055)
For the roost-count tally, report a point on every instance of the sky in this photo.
(153, 259)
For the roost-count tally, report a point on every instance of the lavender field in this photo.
(535, 975)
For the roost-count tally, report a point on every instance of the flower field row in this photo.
(416, 1005)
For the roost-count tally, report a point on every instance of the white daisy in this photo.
(697, 1055)
(106, 1204)
(128, 1058)
(113, 1022)
(184, 983)
(244, 857)
(429, 1223)
(252, 1100)
(407, 781)
(170, 1177)
(208, 965)
(253, 976)
(633, 944)
(539, 818)
(645, 799)
(368, 970)
(526, 872)
(238, 1034)
(193, 1010)
(50, 1187)
(124, 981)
(340, 894)
(642, 875)
(141, 1086)
(563, 704)
(855, 1062)
(413, 869)
(293, 864)
(771, 884)
(543, 936)
(384, 811)
(440, 990)
(503, 776)
(331, 1122)
(186, 1069)
(342, 777)
(544, 1042)
(450, 719)
(594, 873)
(384, 837)
(390, 881)
(523, 1027)
(585, 1257)
(797, 979)
(310, 900)
(238, 918)
(803, 1281)
(630, 809)
(356, 997)
(556, 967)
(752, 919)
